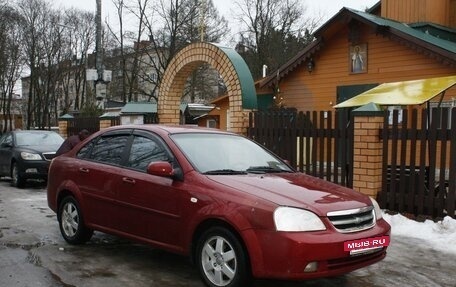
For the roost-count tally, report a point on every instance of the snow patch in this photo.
(439, 235)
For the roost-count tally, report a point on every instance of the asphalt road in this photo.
(32, 253)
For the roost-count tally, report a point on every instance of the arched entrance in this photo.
(231, 67)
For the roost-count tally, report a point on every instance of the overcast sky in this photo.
(326, 8)
(330, 7)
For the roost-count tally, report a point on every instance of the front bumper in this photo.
(285, 255)
(34, 169)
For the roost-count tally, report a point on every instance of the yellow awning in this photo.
(414, 92)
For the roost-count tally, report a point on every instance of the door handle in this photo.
(84, 170)
(128, 180)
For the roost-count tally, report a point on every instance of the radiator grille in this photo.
(353, 220)
(48, 155)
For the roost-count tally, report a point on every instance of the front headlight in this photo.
(378, 211)
(30, 156)
(295, 219)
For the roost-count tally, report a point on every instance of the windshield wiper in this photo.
(265, 169)
(224, 172)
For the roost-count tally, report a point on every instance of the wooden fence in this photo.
(419, 162)
(317, 143)
(92, 124)
(419, 153)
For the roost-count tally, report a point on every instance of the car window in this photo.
(7, 139)
(109, 149)
(211, 152)
(144, 151)
(84, 152)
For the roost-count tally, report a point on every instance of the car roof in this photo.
(170, 129)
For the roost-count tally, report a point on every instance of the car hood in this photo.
(296, 189)
(39, 148)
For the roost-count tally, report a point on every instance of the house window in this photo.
(438, 112)
(391, 110)
(211, 123)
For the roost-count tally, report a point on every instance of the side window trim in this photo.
(157, 139)
(154, 138)
(95, 141)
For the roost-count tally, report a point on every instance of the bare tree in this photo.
(11, 58)
(56, 45)
(208, 26)
(78, 32)
(180, 22)
(35, 14)
(273, 31)
(50, 69)
(120, 39)
(129, 58)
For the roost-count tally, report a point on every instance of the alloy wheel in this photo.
(219, 261)
(70, 219)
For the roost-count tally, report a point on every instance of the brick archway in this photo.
(232, 69)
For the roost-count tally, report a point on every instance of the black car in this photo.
(27, 154)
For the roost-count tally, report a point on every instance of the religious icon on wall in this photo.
(358, 58)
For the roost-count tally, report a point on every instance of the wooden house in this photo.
(395, 40)
(217, 117)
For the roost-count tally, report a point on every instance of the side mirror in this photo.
(160, 168)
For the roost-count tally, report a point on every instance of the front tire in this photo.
(16, 179)
(71, 222)
(222, 260)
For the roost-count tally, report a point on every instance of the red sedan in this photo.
(235, 208)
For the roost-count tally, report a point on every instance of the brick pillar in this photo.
(105, 123)
(63, 125)
(367, 150)
(63, 128)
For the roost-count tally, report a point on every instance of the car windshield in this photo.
(38, 138)
(227, 154)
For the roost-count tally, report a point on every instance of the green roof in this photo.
(249, 98)
(66, 117)
(407, 29)
(139, 108)
(438, 31)
(110, 115)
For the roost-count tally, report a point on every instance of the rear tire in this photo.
(16, 179)
(71, 222)
(222, 260)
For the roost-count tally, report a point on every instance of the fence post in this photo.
(107, 120)
(367, 149)
(63, 125)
